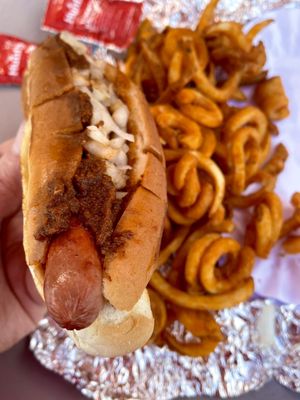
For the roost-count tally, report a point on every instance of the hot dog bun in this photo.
(57, 115)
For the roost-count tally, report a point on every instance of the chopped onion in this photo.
(117, 175)
(120, 113)
(96, 134)
(78, 47)
(121, 195)
(104, 125)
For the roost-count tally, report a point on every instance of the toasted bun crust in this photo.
(53, 116)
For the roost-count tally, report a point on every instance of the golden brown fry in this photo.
(175, 154)
(257, 28)
(238, 95)
(263, 225)
(217, 94)
(146, 31)
(211, 168)
(211, 73)
(203, 326)
(154, 65)
(175, 128)
(277, 161)
(293, 222)
(233, 31)
(253, 153)
(202, 349)
(159, 313)
(267, 182)
(271, 98)
(173, 246)
(203, 202)
(199, 108)
(201, 194)
(131, 60)
(194, 257)
(199, 323)
(183, 64)
(265, 147)
(191, 214)
(178, 38)
(295, 200)
(193, 196)
(232, 57)
(247, 116)
(209, 142)
(251, 78)
(243, 260)
(202, 302)
(182, 74)
(207, 16)
(264, 230)
(175, 68)
(185, 164)
(292, 245)
(272, 128)
(237, 157)
(195, 54)
(217, 224)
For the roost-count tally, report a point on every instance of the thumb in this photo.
(10, 179)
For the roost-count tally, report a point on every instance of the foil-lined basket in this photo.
(262, 338)
(262, 342)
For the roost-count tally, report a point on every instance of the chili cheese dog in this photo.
(94, 196)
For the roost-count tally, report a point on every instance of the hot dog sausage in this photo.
(73, 279)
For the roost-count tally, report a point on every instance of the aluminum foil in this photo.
(183, 13)
(262, 339)
(262, 342)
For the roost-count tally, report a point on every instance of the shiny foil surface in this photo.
(262, 337)
(183, 13)
(262, 342)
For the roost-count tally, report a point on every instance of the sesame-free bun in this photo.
(53, 116)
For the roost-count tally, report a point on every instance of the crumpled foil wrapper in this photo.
(262, 342)
(183, 13)
(262, 339)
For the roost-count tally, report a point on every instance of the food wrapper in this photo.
(14, 54)
(262, 336)
(263, 342)
(113, 23)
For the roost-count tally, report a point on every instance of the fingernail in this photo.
(18, 139)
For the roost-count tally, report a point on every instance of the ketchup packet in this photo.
(14, 54)
(110, 22)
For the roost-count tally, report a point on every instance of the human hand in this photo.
(21, 307)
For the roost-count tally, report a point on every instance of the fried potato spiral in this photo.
(270, 96)
(203, 327)
(199, 108)
(264, 230)
(176, 129)
(217, 160)
(291, 223)
(195, 194)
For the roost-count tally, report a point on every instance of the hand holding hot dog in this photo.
(20, 305)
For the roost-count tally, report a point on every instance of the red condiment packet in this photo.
(14, 54)
(112, 22)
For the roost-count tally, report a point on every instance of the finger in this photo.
(21, 284)
(16, 270)
(10, 179)
(5, 146)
